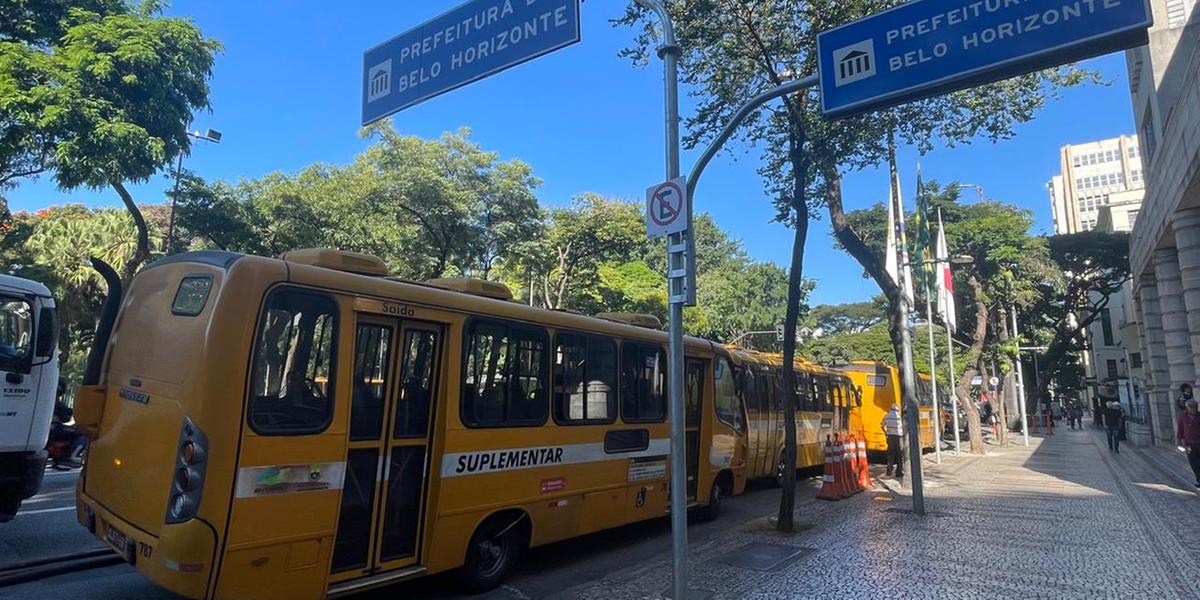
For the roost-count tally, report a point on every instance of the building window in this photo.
(1132, 216)
(1112, 368)
(1148, 133)
(1135, 360)
(1106, 326)
(1133, 151)
(1178, 12)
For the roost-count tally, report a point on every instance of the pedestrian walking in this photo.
(1187, 433)
(1076, 415)
(1185, 394)
(1114, 419)
(893, 428)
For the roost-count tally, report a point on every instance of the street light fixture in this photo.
(209, 135)
(978, 189)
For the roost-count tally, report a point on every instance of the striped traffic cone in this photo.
(841, 482)
(852, 464)
(864, 469)
(828, 479)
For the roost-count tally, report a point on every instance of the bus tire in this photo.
(712, 510)
(493, 551)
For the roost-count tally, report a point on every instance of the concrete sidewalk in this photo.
(1064, 518)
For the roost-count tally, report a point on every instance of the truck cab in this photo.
(28, 384)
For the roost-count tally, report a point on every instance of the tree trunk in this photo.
(142, 253)
(787, 500)
(974, 427)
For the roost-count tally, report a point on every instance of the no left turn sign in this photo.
(667, 208)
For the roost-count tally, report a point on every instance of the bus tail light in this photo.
(187, 485)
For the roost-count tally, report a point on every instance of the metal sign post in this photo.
(680, 292)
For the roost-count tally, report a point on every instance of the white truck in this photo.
(28, 386)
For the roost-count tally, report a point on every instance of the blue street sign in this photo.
(929, 47)
(467, 43)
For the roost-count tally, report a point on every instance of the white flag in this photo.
(945, 282)
(898, 244)
(892, 264)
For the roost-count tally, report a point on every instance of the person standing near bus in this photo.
(893, 428)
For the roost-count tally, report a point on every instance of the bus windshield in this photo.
(16, 334)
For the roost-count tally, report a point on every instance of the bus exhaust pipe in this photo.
(108, 318)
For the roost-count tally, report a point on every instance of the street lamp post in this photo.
(210, 135)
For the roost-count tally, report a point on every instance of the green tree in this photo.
(1090, 267)
(100, 93)
(53, 246)
(852, 317)
(734, 49)
(1008, 262)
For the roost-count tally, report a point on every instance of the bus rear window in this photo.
(191, 295)
(16, 334)
(291, 390)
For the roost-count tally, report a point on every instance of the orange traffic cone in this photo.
(855, 463)
(852, 464)
(841, 483)
(864, 469)
(828, 480)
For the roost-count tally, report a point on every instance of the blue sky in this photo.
(286, 94)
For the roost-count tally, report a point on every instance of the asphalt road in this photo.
(46, 526)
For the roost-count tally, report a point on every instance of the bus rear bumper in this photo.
(180, 559)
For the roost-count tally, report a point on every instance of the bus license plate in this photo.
(116, 539)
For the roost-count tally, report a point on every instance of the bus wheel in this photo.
(493, 552)
(712, 510)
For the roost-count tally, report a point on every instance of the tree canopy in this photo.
(99, 93)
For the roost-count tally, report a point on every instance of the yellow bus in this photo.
(824, 397)
(307, 427)
(879, 384)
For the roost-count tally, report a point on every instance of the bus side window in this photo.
(292, 382)
(504, 376)
(585, 375)
(643, 384)
(728, 409)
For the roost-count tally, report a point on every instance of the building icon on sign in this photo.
(854, 63)
(379, 80)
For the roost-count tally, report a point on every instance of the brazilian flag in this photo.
(924, 273)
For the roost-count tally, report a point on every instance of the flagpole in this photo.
(937, 417)
(953, 393)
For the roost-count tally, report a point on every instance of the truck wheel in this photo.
(493, 553)
(10, 503)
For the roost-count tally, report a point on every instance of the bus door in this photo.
(694, 386)
(767, 435)
(387, 462)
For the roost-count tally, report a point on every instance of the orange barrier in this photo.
(864, 469)
(829, 480)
